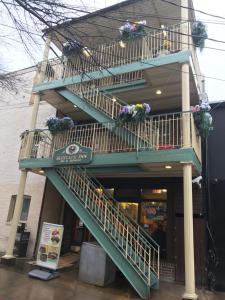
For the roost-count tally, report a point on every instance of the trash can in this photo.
(95, 265)
(21, 243)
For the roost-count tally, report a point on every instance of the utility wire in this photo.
(193, 9)
(147, 26)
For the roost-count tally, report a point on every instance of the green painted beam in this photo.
(108, 245)
(124, 160)
(122, 87)
(179, 57)
(84, 106)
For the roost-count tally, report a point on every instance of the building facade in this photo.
(117, 176)
(15, 111)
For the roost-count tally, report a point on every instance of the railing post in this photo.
(105, 217)
(127, 238)
(149, 266)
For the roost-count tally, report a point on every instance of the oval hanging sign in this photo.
(73, 153)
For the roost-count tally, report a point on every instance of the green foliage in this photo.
(199, 34)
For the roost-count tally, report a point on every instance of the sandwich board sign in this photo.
(50, 245)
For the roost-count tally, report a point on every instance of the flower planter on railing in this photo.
(133, 114)
(55, 124)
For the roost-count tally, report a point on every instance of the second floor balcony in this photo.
(161, 134)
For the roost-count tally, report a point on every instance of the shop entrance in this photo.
(150, 211)
(75, 233)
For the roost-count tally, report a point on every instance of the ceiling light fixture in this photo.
(113, 99)
(168, 167)
(158, 92)
(122, 44)
(86, 52)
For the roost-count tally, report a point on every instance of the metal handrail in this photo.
(165, 132)
(132, 244)
(110, 55)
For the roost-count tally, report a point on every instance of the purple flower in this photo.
(125, 109)
(147, 108)
(205, 106)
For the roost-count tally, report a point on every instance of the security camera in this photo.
(197, 180)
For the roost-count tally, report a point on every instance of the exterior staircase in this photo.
(106, 108)
(126, 243)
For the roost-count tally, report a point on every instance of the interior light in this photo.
(122, 44)
(86, 52)
(113, 99)
(168, 167)
(158, 92)
(164, 190)
(164, 31)
(41, 171)
(74, 106)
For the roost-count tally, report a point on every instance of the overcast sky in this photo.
(212, 61)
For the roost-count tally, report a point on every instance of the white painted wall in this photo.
(15, 114)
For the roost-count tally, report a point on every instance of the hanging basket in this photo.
(199, 35)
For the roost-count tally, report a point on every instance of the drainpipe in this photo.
(187, 166)
(23, 174)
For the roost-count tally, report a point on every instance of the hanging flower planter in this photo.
(72, 48)
(55, 124)
(199, 34)
(203, 118)
(130, 31)
(133, 113)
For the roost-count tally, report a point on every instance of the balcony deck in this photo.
(106, 60)
(113, 147)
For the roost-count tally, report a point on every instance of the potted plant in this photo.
(55, 124)
(203, 118)
(72, 47)
(130, 31)
(133, 113)
(199, 34)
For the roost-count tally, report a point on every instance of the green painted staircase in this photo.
(104, 109)
(123, 240)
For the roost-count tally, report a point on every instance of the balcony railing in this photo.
(163, 133)
(153, 44)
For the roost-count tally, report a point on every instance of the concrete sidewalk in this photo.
(16, 285)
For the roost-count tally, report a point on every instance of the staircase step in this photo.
(113, 242)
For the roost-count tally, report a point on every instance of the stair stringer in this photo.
(101, 117)
(108, 245)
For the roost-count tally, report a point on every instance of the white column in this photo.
(187, 169)
(23, 174)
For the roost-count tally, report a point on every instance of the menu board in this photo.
(50, 245)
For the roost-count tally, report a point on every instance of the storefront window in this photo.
(130, 209)
(154, 216)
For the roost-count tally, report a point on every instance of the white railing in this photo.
(101, 138)
(153, 44)
(141, 252)
(196, 140)
(163, 133)
(111, 106)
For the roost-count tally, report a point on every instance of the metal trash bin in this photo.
(95, 265)
(21, 242)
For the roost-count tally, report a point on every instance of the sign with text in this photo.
(50, 245)
(73, 154)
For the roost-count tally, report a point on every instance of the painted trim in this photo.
(127, 86)
(179, 57)
(131, 159)
(96, 114)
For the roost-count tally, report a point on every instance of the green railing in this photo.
(143, 253)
